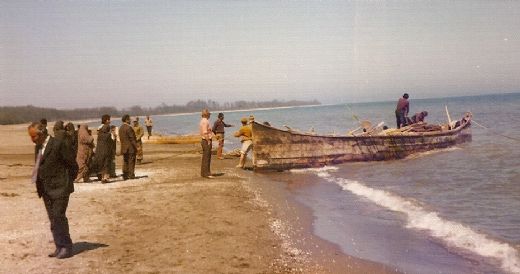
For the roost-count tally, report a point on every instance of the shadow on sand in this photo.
(85, 246)
(119, 178)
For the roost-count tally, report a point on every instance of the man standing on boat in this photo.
(401, 111)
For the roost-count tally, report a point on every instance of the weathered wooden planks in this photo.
(278, 149)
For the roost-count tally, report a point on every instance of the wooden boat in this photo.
(174, 139)
(278, 149)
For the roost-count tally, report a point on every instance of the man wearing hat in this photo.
(245, 133)
(139, 133)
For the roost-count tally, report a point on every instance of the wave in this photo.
(453, 234)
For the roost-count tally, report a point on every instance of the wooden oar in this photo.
(448, 113)
(354, 130)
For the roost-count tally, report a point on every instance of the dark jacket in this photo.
(104, 151)
(68, 140)
(127, 138)
(218, 126)
(55, 172)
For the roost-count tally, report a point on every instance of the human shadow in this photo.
(218, 174)
(119, 178)
(85, 246)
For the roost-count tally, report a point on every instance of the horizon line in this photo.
(320, 103)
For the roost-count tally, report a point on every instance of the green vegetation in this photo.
(25, 114)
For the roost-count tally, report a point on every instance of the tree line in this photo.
(24, 114)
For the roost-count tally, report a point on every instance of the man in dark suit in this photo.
(128, 147)
(55, 162)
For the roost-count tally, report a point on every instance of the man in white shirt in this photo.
(149, 124)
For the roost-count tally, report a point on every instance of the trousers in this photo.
(56, 209)
(128, 165)
(205, 169)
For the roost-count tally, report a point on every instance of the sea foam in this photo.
(452, 233)
(317, 170)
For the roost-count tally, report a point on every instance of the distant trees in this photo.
(24, 114)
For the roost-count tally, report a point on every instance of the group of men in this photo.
(401, 113)
(206, 133)
(130, 135)
(56, 167)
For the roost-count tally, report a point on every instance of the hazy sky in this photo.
(99, 53)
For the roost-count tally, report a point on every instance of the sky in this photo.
(68, 54)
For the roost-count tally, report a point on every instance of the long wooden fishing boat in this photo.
(278, 149)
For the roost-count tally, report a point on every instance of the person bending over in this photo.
(245, 134)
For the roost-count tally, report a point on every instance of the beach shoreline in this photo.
(296, 227)
(168, 220)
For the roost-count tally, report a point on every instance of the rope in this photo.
(353, 115)
(505, 136)
(479, 124)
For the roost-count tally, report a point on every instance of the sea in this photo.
(455, 210)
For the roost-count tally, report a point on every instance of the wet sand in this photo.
(169, 220)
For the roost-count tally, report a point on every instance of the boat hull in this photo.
(278, 149)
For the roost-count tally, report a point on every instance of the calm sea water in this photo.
(451, 211)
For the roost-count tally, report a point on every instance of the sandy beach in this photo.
(169, 220)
